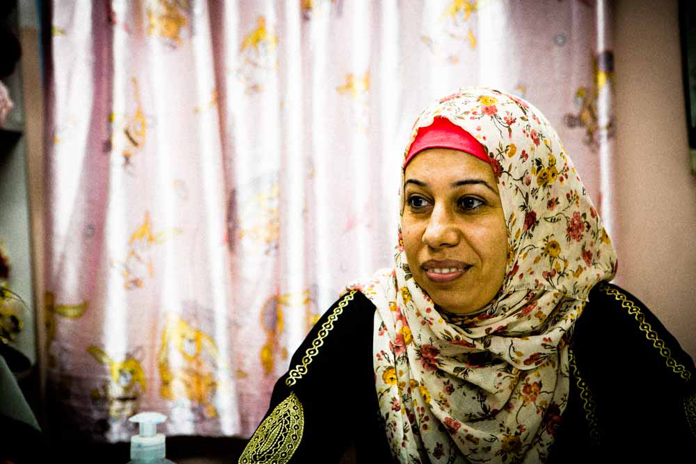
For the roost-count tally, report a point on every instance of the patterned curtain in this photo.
(217, 172)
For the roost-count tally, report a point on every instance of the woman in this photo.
(496, 336)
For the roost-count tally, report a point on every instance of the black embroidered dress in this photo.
(643, 411)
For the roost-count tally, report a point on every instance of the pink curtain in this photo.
(217, 172)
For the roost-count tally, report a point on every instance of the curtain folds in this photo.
(218, 172)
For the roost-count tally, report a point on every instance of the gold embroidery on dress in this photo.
(586, 396)
(690, 410)
(296, 374)
(650, 334)
(278, 436)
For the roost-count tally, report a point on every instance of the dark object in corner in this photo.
(687, 30)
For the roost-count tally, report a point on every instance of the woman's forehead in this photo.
(446, 163)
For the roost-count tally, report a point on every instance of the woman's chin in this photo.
(455, 306)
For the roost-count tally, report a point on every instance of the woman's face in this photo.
(453, 229)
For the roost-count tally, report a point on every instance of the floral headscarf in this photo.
(492, 387)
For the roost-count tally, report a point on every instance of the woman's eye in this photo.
(417, 202)
(469, 203)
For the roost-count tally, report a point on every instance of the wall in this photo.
(14, 206)
(656, 192)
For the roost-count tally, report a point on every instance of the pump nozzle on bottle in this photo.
(147, 422)
(149, 445)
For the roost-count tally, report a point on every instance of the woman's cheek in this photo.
(411, 238)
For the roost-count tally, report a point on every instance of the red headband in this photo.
(444, 134)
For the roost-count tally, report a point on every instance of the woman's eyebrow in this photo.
(455, 184)
(416, 182)
(474, 182)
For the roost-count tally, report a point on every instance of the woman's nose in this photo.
(440, 230)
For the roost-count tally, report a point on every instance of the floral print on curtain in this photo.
(218, 171)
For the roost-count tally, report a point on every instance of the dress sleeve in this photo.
(642, 383)
(311, 415)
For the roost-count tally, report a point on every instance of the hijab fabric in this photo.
(492, 387)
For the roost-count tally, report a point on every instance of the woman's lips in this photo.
(444, 271)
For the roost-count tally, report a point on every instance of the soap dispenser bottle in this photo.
(148, 446)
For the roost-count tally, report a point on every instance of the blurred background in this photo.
(185, 186)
